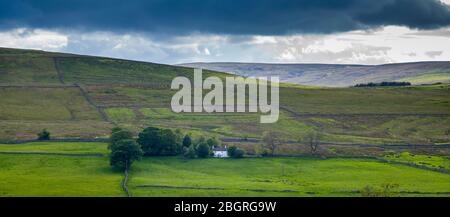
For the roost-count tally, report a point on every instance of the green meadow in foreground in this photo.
(49, 175)
(279, 177)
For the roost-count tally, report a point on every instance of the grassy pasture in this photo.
(29, 103)
(277, 177)
(104, 70)
(437, 162)
(24, 111)
(58, 147)
(26, 69)
(438, 75)
(389, 100)
(26, 129)
(38, 175)
(46, 175)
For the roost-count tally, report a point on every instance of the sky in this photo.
(272, 31)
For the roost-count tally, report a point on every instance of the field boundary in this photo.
(125, 182)
(412, 146)
(58, 71)
(306, 115)
(91, 102)
(36, 85)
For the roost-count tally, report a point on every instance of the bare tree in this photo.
(271, 141)
(313, 140)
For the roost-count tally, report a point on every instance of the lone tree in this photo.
(43, 135)
(124, 153)
(313, 140)
(118, 135)
(271, 141)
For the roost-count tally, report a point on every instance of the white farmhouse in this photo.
(220, 151)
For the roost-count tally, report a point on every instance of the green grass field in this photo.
(35, 175)
(47, 175)
(277, 177)
(58, 147)
(437, 162)
(439, 75)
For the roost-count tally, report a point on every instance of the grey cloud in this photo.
(236, 17)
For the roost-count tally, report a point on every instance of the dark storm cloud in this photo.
(238, 17)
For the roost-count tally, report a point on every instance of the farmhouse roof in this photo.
(219, 148)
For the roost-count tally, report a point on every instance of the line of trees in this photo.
(384, 84)
(152, 141)
(271, 142)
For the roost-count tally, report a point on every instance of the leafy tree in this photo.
(239, 153)
(235, 152)
(189, 152)
(115, 129)
(200, 140)
(150, 139)
(169, 144)
(155, 141)
(124, 153)
(271, 141)
(187, 141)
(178, 136)
(118, 135)
(212, 142)
(231, 150)
(203, 150)
(44, 135)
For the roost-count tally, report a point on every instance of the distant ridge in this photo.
(337, 75)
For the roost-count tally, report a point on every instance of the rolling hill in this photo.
(76, 96)
(338, 75)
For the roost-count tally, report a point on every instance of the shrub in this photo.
(235, 152)
(239, 153)
(43, 135)
(385, 190)
(231, 150)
